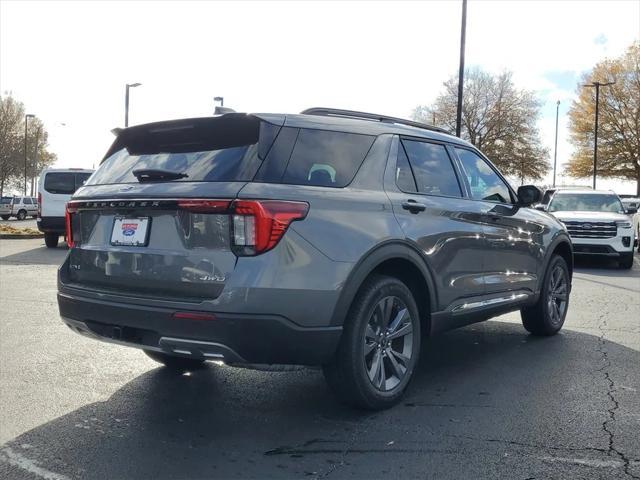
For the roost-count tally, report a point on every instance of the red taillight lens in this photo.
(39, 204)
(258, 225)
(204, 206)
(69, 211)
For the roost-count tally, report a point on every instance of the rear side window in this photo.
(326, 159)
(432, 168)
(27, 201)
(223, 149)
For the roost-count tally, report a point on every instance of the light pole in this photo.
(26, 119)
(597, 86)
(35, 160)
(555, 148)
(463, 34)
(126, 102)
(219, 99)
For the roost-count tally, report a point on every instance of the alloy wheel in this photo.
(558, 295)
(388, 343)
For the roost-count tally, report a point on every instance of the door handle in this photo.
(413, 206)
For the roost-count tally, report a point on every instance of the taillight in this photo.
(258, 225)
(39, 204)
(70, 209)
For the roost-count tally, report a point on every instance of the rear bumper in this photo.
(233, 338)
(51, 224)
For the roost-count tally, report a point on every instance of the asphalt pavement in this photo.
(488, 401)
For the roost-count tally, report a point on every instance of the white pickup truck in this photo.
(597, 222)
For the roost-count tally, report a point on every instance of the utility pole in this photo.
(597, 86)
(555, 149)
(26, 120)
(463, 34)
(126, 102)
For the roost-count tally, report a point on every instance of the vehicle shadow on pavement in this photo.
(36, 256)
(487, 401)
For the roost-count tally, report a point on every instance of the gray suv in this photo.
(330, 238)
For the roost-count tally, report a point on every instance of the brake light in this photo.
(39, 204)
(258, 225)
(70, 209)
(204, 206)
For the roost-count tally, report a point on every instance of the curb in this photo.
(16, 236)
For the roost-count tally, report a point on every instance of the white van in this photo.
(55, 187)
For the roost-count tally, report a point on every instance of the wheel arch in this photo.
(560, 246)
(400, 260)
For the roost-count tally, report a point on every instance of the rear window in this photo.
(223, 149)
(327, 159)
(64, 183)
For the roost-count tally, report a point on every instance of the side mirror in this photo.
(529, 194)
(631, 211)
(541, 206)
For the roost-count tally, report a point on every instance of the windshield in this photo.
(585, 202)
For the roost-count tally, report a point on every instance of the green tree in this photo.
(618, 120)
(498, 118)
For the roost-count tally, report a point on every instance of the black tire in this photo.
(51, 239)
(22, 214)
(626, 261)
(172, 362)
(543, 319)
(348, 374)
(5, 217)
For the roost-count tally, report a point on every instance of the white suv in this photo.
(19, 207)
(597, 222)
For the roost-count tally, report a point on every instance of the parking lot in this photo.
(488, 400)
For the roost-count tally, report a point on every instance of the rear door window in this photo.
(326, 159)
(432, 168)
(81, 178)
(62, 183)
(27, 201)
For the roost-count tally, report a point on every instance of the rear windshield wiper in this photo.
(157, 175)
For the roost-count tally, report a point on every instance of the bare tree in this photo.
(498, 118)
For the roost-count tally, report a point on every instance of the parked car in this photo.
(18, 207)
(597, 222)
(55, 187)
(330, 238)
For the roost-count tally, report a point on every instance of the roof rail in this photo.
(336, 112)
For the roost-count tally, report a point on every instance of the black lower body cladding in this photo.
(234, 338)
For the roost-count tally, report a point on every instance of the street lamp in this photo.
(219, 99)
(26, 119)
(555, 149)
(463, 34)
(126, 102)
(597, 86)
